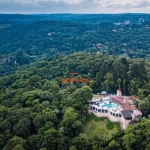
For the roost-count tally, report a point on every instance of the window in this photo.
(102, 110)
(91, 103)
(116, 115)
(119, 115)
(110, 112)
(93, 108)
(113, 114)
(106, 111)
(96, 109)
(99, 110)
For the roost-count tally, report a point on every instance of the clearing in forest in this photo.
(93, 122)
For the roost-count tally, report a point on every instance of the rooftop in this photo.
(126, 114)
(125, 102)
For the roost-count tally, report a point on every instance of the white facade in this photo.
(104, 108)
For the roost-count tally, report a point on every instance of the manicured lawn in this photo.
(93, 122)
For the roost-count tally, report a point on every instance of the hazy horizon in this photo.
(74, 6)
(71, 13)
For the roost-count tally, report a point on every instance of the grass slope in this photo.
(93, 122)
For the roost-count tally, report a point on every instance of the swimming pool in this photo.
(109, 105)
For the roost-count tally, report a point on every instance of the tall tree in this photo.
(119, 81)
(108, 81)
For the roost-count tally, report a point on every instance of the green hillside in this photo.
(38, 111)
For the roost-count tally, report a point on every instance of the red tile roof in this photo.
(124, 102)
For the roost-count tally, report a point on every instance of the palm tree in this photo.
(124, 86)
(119, 81)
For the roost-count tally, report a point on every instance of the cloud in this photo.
(123, 3)
(36, 1)
(69, 1)
(142, 4)
(74, 6)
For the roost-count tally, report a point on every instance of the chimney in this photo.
(124, 100)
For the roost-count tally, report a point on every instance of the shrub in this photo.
(110, 125)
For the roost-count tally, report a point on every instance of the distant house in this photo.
(99, 45)
(49, 34)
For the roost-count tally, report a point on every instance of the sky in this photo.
(74, 6)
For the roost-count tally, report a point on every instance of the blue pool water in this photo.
(109, 105)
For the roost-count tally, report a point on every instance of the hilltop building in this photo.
(116, 108)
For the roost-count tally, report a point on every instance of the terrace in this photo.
(106, 103)
(105, 107)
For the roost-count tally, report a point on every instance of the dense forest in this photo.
(27, 38)
(38, 111)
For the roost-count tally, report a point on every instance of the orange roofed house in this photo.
(116, 108)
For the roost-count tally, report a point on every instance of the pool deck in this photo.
(104, 101)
